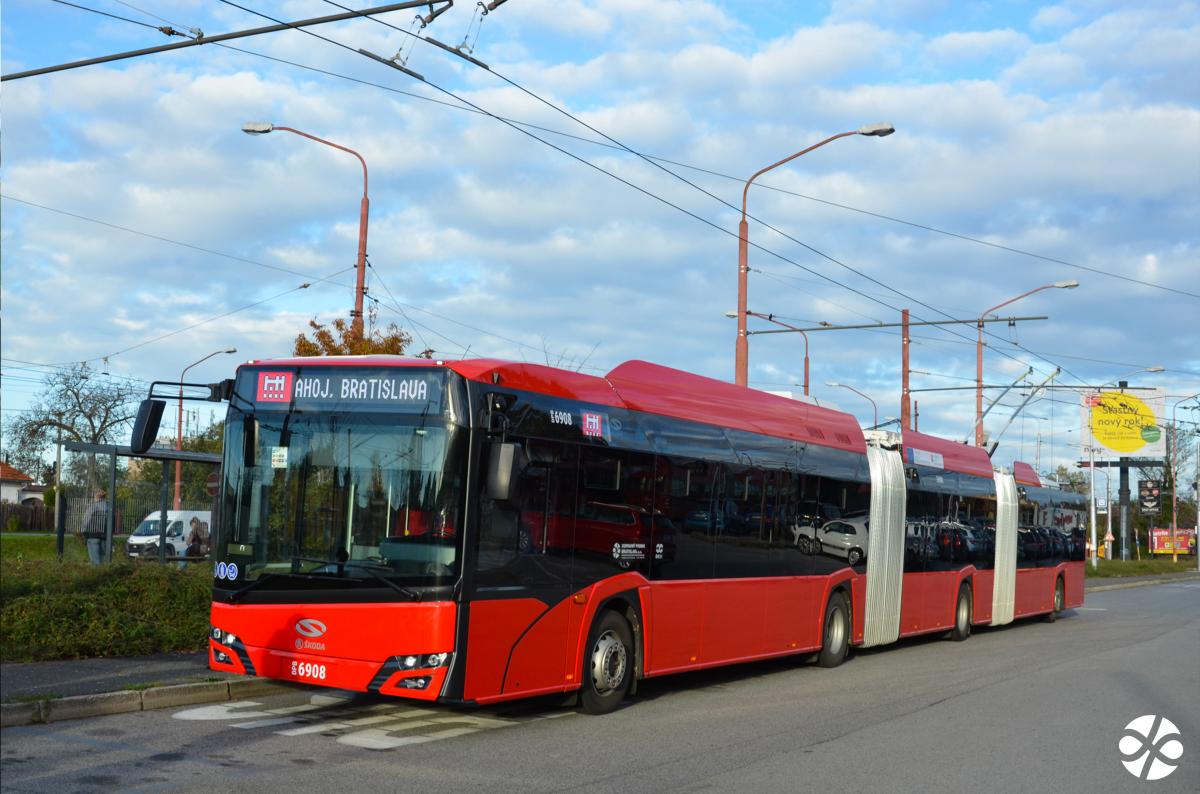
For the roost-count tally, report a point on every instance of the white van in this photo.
(144, 540)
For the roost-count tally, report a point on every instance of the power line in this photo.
(636, 187)
(298, 25)
(668, 171)
(167, 31)
(656, 162)
(647, 157)
(161, 239)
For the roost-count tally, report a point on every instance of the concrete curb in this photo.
(1144, 583)
(157, 697)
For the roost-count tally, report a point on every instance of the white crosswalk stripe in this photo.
(370, 725)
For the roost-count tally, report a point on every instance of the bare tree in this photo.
(86, 406)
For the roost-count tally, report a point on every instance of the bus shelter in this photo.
(166, 457)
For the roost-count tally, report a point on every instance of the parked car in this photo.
(838, 538)
(143, 542)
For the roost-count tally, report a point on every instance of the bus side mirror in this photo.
(145, 426)
(505, 462)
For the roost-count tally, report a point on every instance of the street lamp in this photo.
(742, 348)
(356, 318)
(860, 394)
(1069, 284)
(771, 319)
(179, 418)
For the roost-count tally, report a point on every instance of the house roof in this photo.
(9, 474)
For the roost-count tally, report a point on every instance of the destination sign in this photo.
(345, 388)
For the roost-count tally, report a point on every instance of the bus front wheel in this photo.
(607, 665)
(836, 635)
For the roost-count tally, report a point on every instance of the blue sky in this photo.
(1065, 130)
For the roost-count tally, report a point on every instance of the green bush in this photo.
(70, 610)
(1159, 564)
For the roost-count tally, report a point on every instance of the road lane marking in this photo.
(371, 726)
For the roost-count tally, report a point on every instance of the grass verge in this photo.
(1109, 569)
(44, 547)
(73, 610)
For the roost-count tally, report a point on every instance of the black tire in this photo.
(1060, 598)
(854, 557)
(835, 634)
(964, 613)
(608, 663)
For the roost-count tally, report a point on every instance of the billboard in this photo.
(1160, 541)
(1150, 497)
(1124, 424)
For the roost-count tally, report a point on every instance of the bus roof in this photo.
(1024, 474)
(953, 456)
(646, 387)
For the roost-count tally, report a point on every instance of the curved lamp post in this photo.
(874, 407)
(356, 318)
(742, 348)
(1069, 284)
(179, 419)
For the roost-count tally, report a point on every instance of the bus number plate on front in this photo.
(311, 671)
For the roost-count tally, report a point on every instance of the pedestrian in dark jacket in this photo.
(95, 528)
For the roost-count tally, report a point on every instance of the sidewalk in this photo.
(90, 676)
(72, 689)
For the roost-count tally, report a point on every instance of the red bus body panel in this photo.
(357, 640)
(519, 647)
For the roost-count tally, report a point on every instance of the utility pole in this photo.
(904, 340)
(58, 494)
(1123, 495)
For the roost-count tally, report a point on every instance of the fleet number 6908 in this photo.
(307, 670)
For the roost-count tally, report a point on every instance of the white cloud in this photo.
(1057, 16)
(976, 45)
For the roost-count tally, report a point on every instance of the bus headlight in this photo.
(423, 661)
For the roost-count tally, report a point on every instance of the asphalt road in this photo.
(1029, 707)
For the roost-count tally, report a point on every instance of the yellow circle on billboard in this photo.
(1123, 423)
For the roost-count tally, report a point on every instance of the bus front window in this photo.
(341, 500)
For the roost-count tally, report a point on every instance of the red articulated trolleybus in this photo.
(476, 531)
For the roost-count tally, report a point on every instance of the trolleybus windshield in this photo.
(336, 493)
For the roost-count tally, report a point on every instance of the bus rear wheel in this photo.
(1060, 600)
(962, 615)
(607, 665)
(836, 634)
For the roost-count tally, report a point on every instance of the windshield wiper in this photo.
(372, 569)
(251, 585)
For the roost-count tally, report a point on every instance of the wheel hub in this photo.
(608, 662)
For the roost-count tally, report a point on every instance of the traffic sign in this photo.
(1108, 538)
(213, 483)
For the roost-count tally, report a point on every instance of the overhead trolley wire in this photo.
(648, 157)
(686, 181)
(622, 180)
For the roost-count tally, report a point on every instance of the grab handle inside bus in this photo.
(505, 462)
(249, 441)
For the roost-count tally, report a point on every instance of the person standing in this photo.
(95, 528)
